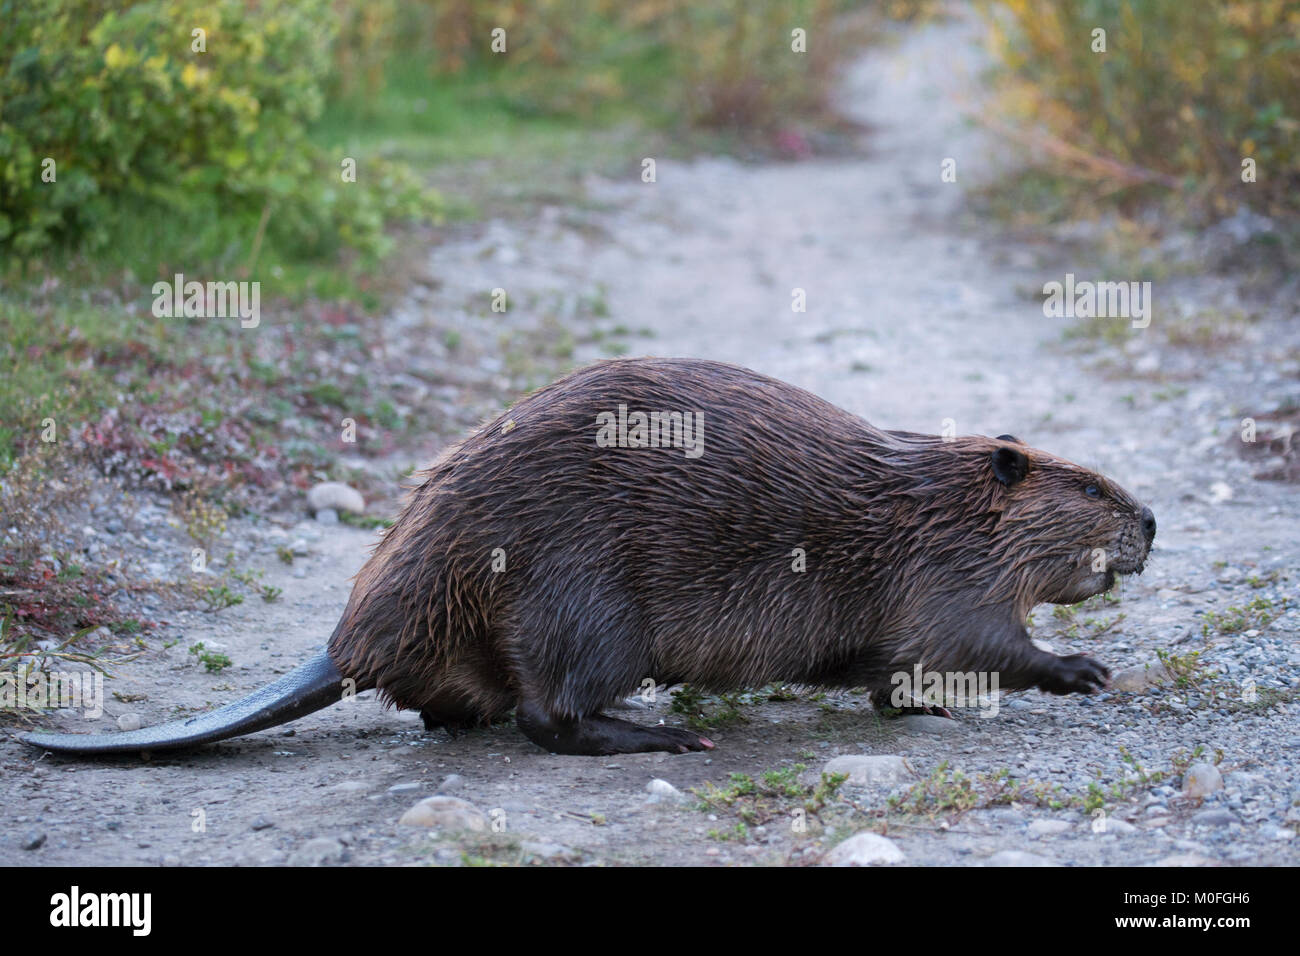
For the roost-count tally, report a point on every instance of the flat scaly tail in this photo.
(304, 690)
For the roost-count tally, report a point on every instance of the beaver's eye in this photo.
(1092, 491)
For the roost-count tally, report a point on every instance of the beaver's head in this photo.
(1067, 531)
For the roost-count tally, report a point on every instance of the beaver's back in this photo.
(614, 564)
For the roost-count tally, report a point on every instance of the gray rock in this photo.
(871, 770)
(1042, 828)
(451, 783)
(551, 852)
(1008, 816)
(864, 849)
(1214, 818)
(929, 724)
(319, 852)
(336, 496)
(128, 721)
(1018, 858)
(1115, 825)
(445, 813)
(1202, 779)
(261, 823)
(33, 840)
(1271, 831)
(1137, 679)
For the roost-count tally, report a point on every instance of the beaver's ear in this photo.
(1010, 465)
(1010, 438)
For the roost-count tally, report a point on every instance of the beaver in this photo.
(692, 521)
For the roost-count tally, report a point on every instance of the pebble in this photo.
(1202, 779)
(1214, 818)
(261, 823)
(929, 724)
(1018, 858)
(864, 849)
(336, 496)
(1135, 680)
(1042, 828)
(871, 770)
(445, 813)
(1115, 825)
(32, 840)
(661, 791)
(128, 721)
(321, 851)
(551, 852)
(1007, 815)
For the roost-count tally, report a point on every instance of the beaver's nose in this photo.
(1148, 524)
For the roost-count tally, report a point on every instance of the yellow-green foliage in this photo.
(723, 63)
(1185, 90)
(133, 115)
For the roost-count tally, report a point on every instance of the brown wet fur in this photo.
(629, 563)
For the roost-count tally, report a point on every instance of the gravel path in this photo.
(916, 315)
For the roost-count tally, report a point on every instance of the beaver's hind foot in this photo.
(599, 735)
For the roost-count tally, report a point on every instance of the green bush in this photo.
(141, 126)
(1182, 94)
(713, 63)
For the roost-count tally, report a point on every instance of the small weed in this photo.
(692, 705)
(219, 597)
(246, 578)
(1259, 613)
(739, 833)
(204, 521)
(1188, 671)
(213, 661)
(369, 522)
(776, 793)
(1255, 581)
(943, 791)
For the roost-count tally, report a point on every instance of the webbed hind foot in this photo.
(599, 735)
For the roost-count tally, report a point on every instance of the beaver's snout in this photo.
(1148, 525)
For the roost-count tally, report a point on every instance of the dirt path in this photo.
(914, 317)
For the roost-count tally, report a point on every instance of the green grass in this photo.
(430, 122)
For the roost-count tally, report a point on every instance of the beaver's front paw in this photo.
(1076, 674)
